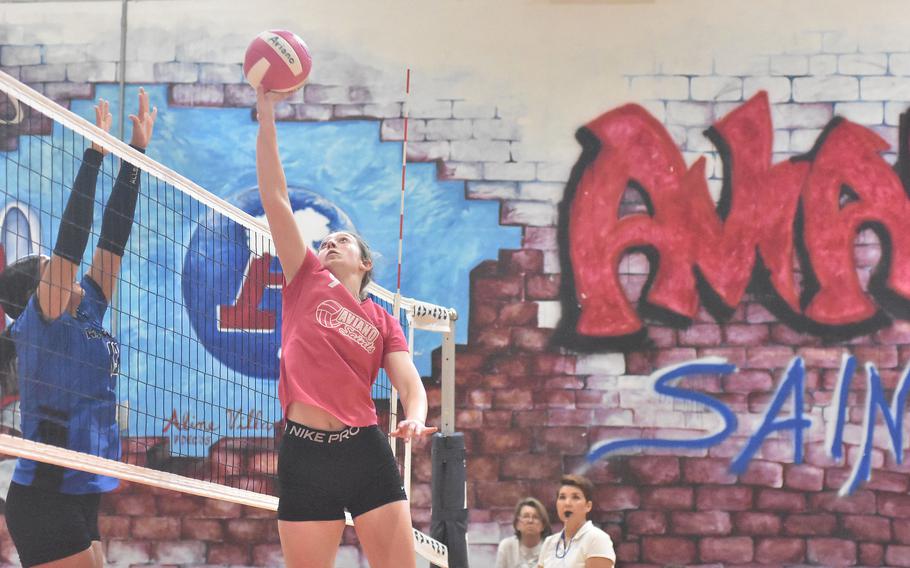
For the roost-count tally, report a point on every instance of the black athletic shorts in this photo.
(320, 473)
(49, 525)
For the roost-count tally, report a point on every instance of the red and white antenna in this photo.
(404, 167)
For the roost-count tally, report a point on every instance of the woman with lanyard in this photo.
(580, 544)
(531, 524)
(334, 339)
(67, 363)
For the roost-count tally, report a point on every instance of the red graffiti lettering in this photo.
(246, 313)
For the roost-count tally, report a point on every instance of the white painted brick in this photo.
(803, 140)
(542, 191)
(483, 533)
(696, 141)
(93, 72)
(831, 88)
(717, 88)
(448, 129)
(889, 134)
(689, 114)
(20, 55)
(657, 109)
(509, 171)
(326, 94)
(738, 64)
(348, 556)
(885, 88)
(669, 88)
(791, 116)
(551, 262)
(69, 54)
(460, 170)
(823, 64)
(722, 109)
(496, 129)
(180, 552)
(491, 190)
(692, 157)
(644, 65)
(309, 112)
(480, 150)
(176, 72)
(384, 110)
(861, 113)
(140, 72)
(430, 109)
(227, 49)
(428, 151)
(464, 109)
(535, 213)
(68, 90)
(600, 364)
(694, 62)
(778, 88)
(781, 141)
(42, 73)
(221, 73)
(146, 44)
(679, 134)
(893, 112)
(899, 64)
(518, 152)
(392, 129)
(885, 39)
(549, 314)
(553, 171)
(839, 42)
(600, 382)
(778, 157)
(715, 188)
(862, 64)
(789, 65)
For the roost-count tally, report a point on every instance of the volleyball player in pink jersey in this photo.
(334, 339)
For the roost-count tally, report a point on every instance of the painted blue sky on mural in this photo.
(344, 163)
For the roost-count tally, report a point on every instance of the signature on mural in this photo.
(809, 207)
(791, 386)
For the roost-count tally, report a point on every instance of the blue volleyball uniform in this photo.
(67, 380)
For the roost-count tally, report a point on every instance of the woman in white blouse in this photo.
(580, 544)
(531, 524)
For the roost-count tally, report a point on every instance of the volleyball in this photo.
(278, 60)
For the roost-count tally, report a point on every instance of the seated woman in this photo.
(580, 544)
(532, 525)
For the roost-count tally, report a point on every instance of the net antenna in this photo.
(235, 468)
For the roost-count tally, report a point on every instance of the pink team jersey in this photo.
(332, 345)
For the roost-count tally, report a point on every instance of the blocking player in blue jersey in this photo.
(67, 363)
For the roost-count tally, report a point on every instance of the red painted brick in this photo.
(662, 337)
(701, 523)
(504, 441)
(897, 555)
(595, 399)
(894, 505)
(770, 357)
(500, 493)
(627, 552)
(137, 504)
(156, 528)
(859, 503)
(468, 419)
(521, 261)
(667, 357)
(752, 523)
(775, 500)
(882, 356)
(179, 505)
(724, 498)
(499, 419)
(500, 288)
(494, 338)
(780, 551)
(824, 357)
(701, 470)
(812, 524)
(564, 440)
(483, 315)
(700, 335)
(668, 498)
(616, 498)
(801, 477)
(531, 466)
(654, 470)
(831, 552)
(871, 554)
(763, 473)
(110, 527)
(867, 528)
(668, 550)
(646, 522)
(891, 481)
(543, 287)
(228, 554)
(746, 334)
(529, 418)
(518, 313)
(531, 339)
(517, 399)
(576, 417)
(251, 530)
(783, 334)
(555, 398)
(202, 529)
(217, 509)
(554, 364)
(748, 381)
(734, 549)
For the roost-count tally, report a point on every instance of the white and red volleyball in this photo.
(278, 60)
(327, 312)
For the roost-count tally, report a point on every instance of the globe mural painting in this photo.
(232, 280)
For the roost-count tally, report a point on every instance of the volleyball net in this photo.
(197, 313)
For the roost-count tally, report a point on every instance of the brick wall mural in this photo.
(706, 313)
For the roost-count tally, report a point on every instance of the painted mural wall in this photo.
(680, 264)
